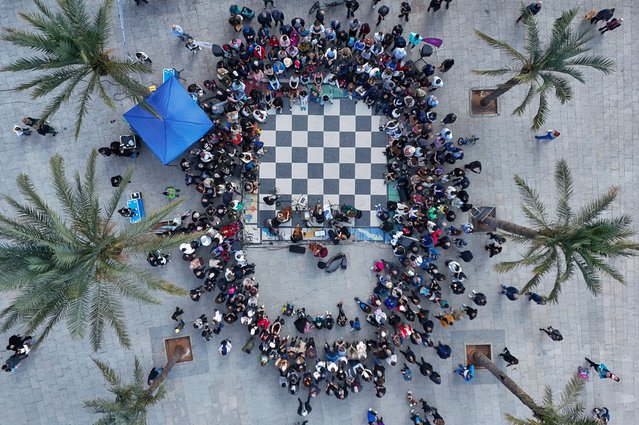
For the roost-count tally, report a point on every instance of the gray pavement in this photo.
(598, 140)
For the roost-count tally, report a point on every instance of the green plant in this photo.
(76, 266)
(544, 68)
(73, 58)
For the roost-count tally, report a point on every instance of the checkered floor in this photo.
(332, 154)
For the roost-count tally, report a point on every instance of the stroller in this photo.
(246, 12)
(351, 211)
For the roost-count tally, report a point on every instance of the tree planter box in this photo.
(487, 349)
(477, 109)
(171, 343)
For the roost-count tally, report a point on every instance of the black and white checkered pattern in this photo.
(332, 154)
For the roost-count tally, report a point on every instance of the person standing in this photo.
(265, 19)
(611, 25)
(414, 39)
(116, 181)
(511, 292)
(266, 3)
(532, 8)
(382, 12)
(225, 347)
(304, 408)
(478, 298)
(404, 10)
(153, 375)
(603, 15)
(171, 193)
(493, 249)
(550, 135)
(178, 32)
(603, 370)
(126, 212)
(177, 314)
(448, 2)
(508, 358)
(435, 5)
(356, 326)
(20, 131)
(470, 312)
(474, 166)
(407, 374)
(538, 299)
(351, 8)
(553, 333)
(42, 129)
(446, 65)
(278, 17)
(143, 57)
(443, 350)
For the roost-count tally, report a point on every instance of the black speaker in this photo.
(297, 249)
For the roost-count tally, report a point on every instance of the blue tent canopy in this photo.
(181, 121)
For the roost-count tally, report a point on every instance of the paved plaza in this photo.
(599, 141)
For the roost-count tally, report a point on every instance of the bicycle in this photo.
(317, 6)
(469, 141)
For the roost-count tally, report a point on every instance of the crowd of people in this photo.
(267, 70)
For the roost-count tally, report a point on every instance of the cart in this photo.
(137, 205)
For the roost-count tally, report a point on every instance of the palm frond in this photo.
(108, 373)
(594, 209)
(542, 112)
(549, 398)
(516, 421)
(600, 63)
(541, 269)
(501, 45)
(26, 40)
(56, 103)
(564, 188)
(591, 278)
(493, 72)
(561, 30)
(571, 393)
(531, 201)
(83, 102)
(563, 90)
(527, 100)
(532, 39)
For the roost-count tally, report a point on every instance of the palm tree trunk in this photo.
(509, 227)
(501, 89)
(179, 352)
(479, 359)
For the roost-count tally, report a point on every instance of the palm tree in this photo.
(130, 404)
(131, 400)
(73, 58)
(570, 242)
(76, 266)
(543, 69)
(569, 411)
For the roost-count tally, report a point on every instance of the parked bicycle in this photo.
(317, 6)
(469, 141)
